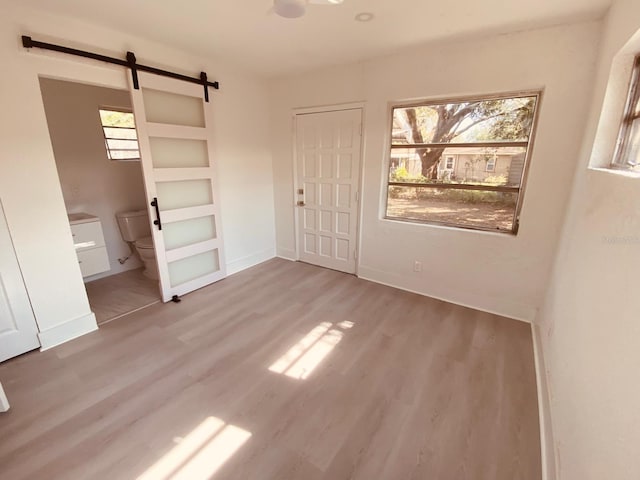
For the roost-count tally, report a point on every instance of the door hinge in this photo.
(357, 196)
(355, 254)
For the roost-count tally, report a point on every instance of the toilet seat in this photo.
(145, 242)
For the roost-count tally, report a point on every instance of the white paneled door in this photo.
(328, 150)
(176, 144)
(18, 330)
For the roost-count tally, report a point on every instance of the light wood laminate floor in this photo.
(116, 295)
(283, 371)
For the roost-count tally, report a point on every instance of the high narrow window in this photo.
(627, 154)
(461, 162)
(120, 136)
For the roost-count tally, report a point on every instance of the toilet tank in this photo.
(133, 225)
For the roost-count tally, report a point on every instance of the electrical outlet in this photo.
(417, 266)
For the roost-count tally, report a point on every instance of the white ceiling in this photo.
(244, 33)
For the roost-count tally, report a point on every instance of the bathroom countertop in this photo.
(76, 218)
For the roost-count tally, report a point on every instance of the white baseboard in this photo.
(67, 331)
(249, 261)
(286, 254)
(547, 447)
(502, 307)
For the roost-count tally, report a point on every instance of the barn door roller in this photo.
(130, 62)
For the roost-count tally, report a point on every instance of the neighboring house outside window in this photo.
(120, 136)
(627, 155)
(461, 162)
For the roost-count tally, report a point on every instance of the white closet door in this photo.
(18, 329)
(175, 132)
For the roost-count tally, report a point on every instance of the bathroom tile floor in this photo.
(117, 295)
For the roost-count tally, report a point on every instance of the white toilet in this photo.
(134, 228)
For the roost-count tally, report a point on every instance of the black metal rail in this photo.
(130, 62)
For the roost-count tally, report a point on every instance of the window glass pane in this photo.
(628, 154)
(632, 151)
(123, 154)
(456, 144)
(120, 135)
(465, 208)
(468, 165)
(129, 133)
(111, 118)
(506, 119)
(122, 144)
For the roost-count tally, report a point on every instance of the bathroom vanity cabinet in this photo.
(88, 241)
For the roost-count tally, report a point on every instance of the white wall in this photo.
(511, 277)
(90, 182)
(29, 182)
(590, 323)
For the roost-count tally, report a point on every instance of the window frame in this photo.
(453, 162)
(618, 162)
(520, 191)
(493, 161)
(104, 134)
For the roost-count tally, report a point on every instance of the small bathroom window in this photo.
(120, 136)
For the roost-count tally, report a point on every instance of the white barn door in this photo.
(18, 329)
(328, 150)
(176, 144)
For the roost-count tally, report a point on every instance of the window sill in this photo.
(444, 226)
(615, 171)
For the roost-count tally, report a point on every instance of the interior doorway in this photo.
(95, 144)
(328, 149)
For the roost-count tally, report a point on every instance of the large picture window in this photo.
(490, 139)
(627, 154)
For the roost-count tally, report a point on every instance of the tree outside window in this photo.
(490, 139)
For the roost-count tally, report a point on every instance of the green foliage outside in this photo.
(401, 174)
(506, 119)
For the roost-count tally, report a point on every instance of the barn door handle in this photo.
(157, 222)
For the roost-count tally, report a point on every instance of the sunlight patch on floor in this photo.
(200, 454)
(303, 358)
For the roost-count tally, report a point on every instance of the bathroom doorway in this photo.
(94, 140)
